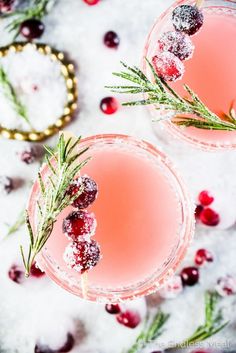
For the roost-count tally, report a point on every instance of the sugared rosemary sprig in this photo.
(10, 94)
(151, 331)
(189, 111)
(63, 166)
(17, 224)
(37, 9)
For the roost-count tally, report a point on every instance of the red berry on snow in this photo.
(198, 211)
(16, 274)
(109, 105)
(205, 198)
(202, 256)
(209, 217)
(111, 39)
(113, 308)
(190, 276)
(32, 29)
(129, 318)
(35, 271)
(91, 2)
(226, 286)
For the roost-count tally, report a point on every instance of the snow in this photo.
(40, 310)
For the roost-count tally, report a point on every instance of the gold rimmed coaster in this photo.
(67, 71)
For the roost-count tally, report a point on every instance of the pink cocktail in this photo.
(144, 221)
(211, 72)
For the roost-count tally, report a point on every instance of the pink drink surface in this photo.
(138, 216)
(211, 72)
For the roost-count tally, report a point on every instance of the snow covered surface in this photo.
(38, 309)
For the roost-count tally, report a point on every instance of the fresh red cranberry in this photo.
(226, 286)
(176, 43)
(205, 198)
(168, 66)
(91, 2)
(35, 271)
(187, 19)
(32, 29)
(209, 217)
(67, 347)
(202, 256)
(28, 155)
(113, 308)
(198, 211)
(6, 184)
(129, 318)
(7, 6)
(16, 274)
(190, 276)
(111, 39)
(83, 255)
(79, 225)
(89, 192)
(109, 105)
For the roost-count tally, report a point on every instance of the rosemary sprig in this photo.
(150, 333)
(10, 94)
(190, 111)
(17, 224)
(63, 166)
(213, 322)
(37, 9)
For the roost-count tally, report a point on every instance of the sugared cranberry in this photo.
(198, 211)
(82, 256)
(67, 347)
(205, 198)
(172, 288)
(111, 39)
(91, 2)
(32, 29)
(89, 192)
(35, 271)
(209, 217)
(187, 19)
(79, 225)
(129, 318)
(6, 184)
(202, 256)
(16, 274)
(7, 6)
(168, 66)
(226, 286)
(177, 43)
(28, 155)
(190, 276)
(109, 105)
(112, 308)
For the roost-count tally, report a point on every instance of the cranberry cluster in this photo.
(126, 318)
(176, 46)
(204, 213)
(82, 253)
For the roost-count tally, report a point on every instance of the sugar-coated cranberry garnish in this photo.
(35, 271)
(190, 276)
(113, 308)
(6, 184)
(7, 6)
(111, 39)
(91, 2)
(205, 198)
(28, 155)
(109, 105)
(79, 225)
(187, 19)
(209, 217)
(226, 286)
(67, 347)
(202, 256)
(129, 318)
(16, 274)
(198, 211)
(172, 288)
(82, 256)
(177, 43)
(89, 190)
(168, 66)
(32, 29)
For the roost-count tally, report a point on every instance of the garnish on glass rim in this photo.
(10, 94)
(53, 193)
(190, 111)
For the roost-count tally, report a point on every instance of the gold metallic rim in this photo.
(67, 71)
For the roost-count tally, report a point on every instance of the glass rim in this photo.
(174, 130)
(154, 283)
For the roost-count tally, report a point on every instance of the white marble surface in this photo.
(39, 308)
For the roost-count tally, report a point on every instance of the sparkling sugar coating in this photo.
(168, 66)
(82, 256)
(89, 193)
(176, 43)
(187, 19)
(79, 225)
